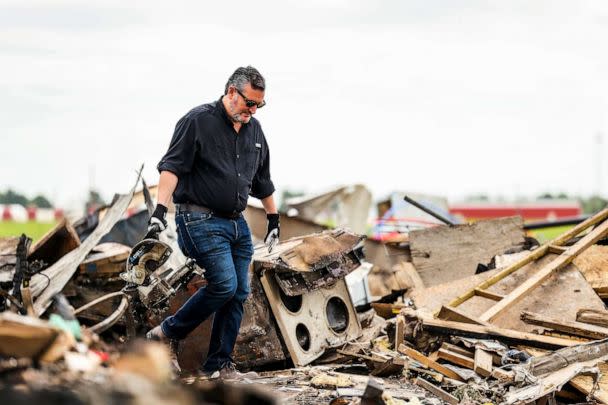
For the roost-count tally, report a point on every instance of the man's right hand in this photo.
(157, 222)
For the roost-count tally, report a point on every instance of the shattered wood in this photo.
(309, 263)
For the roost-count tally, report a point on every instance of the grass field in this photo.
(33, 229)
(547, 234)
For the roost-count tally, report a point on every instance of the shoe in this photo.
(207, 375)
(229, 372)
(157, 334)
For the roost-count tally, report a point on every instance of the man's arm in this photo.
(166, 186)
(268, 203)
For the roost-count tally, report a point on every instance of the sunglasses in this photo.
(250, 103)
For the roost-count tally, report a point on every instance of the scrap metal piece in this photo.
(147, 256)
(61, 272)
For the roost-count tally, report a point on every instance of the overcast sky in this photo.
(445, 97)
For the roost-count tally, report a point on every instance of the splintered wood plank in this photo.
(585, 384)
(456, 358)
(597, 317)
(457, 349)
(453, 314)
(483, 363)
(560, 325)
(449, 398)
(421, 358)
(492, 332)
(441, 254)
(399, 330)
(560, 262)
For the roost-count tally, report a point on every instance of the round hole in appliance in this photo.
(293, 304)
(303, 336)
(337, 314)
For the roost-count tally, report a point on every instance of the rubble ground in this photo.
(456, 313)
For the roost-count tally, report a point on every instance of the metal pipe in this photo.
(428, 211)
(113, 318)
(558, 222)
(97, 301)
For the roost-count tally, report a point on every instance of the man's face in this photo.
(239, 112)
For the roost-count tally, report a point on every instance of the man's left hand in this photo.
(274, 230)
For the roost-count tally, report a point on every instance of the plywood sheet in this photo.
(442, 254)
(432, 298)
(593, 263)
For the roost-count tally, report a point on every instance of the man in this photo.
(217, 157)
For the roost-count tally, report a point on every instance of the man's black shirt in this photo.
(217, 167)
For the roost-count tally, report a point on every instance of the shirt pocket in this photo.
(252, 155)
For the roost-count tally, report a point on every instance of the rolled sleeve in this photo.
(182, 149)
(262, 185)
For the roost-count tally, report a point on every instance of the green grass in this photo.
(33, 229)
(547, 234)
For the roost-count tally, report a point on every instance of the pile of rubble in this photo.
(475, 313)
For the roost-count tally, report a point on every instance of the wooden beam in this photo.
(399, 330)
(483, 363)
(593, 317)
(425, 361)
(489, 295)
(444, 396)
(561, 261)
(571, 327)
(492, 332)
(456, 358)
(457, 349)
(454, 314)
(557, 249)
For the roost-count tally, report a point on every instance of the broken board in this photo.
(442, 254)
(55, 244)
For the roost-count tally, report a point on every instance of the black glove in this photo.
(157, 222)
(274, 230)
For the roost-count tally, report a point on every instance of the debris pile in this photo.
(456, 313)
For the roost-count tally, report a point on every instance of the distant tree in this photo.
(41, 201)
(593, 204)
(478, 197)
(12, 197)
(562, 196)
(545, 196)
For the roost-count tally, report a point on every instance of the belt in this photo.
(206, 210)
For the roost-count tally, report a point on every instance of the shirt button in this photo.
(237, 156)
(239, 174)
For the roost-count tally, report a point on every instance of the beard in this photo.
(239, 116)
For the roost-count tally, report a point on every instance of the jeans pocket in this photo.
(191, 218)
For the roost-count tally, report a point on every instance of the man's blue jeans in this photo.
(224, 249)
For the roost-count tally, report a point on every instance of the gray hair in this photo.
(244, 75)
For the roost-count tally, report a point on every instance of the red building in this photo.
(534, 211)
